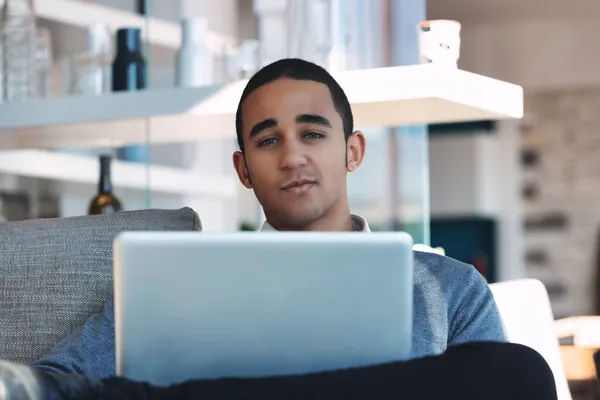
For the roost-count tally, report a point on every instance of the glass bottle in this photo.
(43, 63)
(129, 65)
(105, 202)
(91, 70)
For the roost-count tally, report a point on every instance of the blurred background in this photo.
(514, 197)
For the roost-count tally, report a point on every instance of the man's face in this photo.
(295, 152)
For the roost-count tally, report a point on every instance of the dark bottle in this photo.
(129, 65)
(105, 202)
(141, 7)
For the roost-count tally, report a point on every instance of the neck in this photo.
(326, 226)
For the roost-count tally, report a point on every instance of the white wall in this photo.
(223, 14)
(535, 54)
(452, 175)
(464, 176)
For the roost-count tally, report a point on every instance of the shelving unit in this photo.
(62, 167)
(379, 97)
(80, 15)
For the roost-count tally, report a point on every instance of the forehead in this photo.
(284, 99)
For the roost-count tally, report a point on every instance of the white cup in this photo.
(439, 42)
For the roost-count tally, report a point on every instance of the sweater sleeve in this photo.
(89, 350)
(473, 314)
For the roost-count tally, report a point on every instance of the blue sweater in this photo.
(452, 305)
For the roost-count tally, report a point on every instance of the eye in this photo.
(313, 135)
(267, 142)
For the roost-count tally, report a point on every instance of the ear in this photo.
(239, 163)
(356, 146)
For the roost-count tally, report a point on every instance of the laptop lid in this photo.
(200, 305)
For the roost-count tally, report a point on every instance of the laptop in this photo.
(192, 305)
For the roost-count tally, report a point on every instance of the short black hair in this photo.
(295, 68)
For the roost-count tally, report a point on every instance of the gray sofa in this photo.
(55, 273)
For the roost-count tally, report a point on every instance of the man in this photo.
(297, 143)
(295, 132)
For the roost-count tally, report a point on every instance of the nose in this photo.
(292, 155)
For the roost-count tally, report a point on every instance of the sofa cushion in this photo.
(55, 273)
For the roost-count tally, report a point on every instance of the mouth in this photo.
(299, 186)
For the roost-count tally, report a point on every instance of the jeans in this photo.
(471, 371)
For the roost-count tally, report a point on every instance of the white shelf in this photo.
(64, 167)
(379, 97)
(79, 14)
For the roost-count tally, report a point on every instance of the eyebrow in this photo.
(261, 126)
(313, 119)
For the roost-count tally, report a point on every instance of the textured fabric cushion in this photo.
(55, 273)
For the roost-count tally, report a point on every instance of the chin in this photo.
(303, 218)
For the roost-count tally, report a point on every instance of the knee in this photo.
(514, 354)
(525, 368)
(521, 369)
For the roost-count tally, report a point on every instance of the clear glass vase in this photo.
(19, 44)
